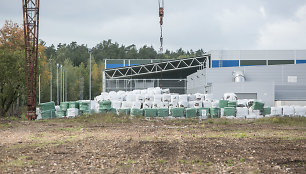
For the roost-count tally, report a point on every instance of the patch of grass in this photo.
(289, 121)
(242, 160)
(198, 162)
(71, 129)
(240, 135)
(22, 161)
(209, 164)
(229, 163)
(182, 161)
(162, 161)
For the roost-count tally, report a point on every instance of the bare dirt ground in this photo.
(108, 144)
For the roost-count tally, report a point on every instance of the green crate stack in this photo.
(46, 106)
(215, 112)
(105, 105)
(223, 103)
(84, 107)
(163, 112)
(150, 112)
(199, 111)
(124, 111)
(47, 110)
(74, 104)
(60, 114)
(267, 111)
(229, 111)
(177, 112)
(191, 112)
(258, 105)
(232, 104)
(64, 106)
(137, 112)
(48, 114)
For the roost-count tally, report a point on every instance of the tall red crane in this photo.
(30, 24)
(161, 22)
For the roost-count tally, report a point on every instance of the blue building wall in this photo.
(300, 61)
(225, 63)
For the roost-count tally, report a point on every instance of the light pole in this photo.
(61, 82)
(39, 80)
(57, 94)
(89, 50)
(51, 80)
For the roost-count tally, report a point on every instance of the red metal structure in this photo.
(31, 23)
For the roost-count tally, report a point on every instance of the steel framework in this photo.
(116, 73)
(31, 23)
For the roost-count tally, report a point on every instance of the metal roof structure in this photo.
(151, 68)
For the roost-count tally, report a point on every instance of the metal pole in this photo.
(61, 83)
(89, 81)
(90, 75)
(57, 94)
(66, 94)
(51, 80)
(39, 80)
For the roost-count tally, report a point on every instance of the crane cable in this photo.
(161, 15)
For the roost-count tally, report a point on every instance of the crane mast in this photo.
(30, 24)
(161, 22)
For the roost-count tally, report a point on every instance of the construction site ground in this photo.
(112, 144)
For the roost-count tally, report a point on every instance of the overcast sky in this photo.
(188, 24)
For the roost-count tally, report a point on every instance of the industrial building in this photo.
(268, 75)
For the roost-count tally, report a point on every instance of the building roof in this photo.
(155, 68)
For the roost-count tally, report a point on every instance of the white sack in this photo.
(116, 104)
(276, 111)
(242, 112)
(136, 105)
(175, 98)
(299, 111)
(207, 104)
(183, 98)
(166, 97)
(183, 104)
(147, 105)
(288, 111)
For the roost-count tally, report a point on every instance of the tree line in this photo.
(73, 57)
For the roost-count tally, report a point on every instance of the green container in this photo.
(191, 112)
(64, 106)
(150, 112)
(48, 114)
(84, 106)
(267, 111)
(223, 103)
(232, 104)
(163, 112)
(215, 112)
(60, 114)
(112, 111)
(258, 105)
(199, 111)
(106, 111)
(137, 112)
(229, 111)
(177, 112)
(74, 105)
(105, 105)
(124, 111)
(46, 106)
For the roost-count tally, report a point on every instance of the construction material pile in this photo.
(157, 102)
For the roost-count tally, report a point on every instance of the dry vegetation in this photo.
(112, 144)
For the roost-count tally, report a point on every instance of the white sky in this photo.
(188, 24)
